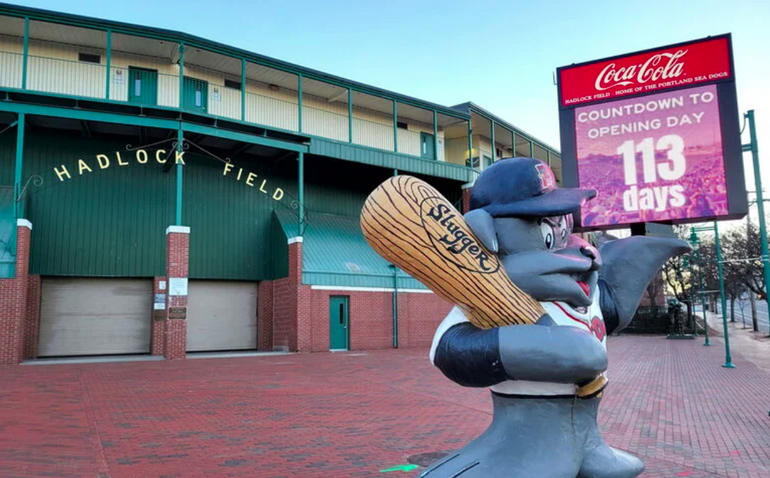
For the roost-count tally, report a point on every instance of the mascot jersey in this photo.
(588, 318)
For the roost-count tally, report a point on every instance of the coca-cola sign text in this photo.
(653, 71)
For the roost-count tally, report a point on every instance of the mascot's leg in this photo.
(601, 460)
(528, 438)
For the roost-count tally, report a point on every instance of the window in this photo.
(198, 98)
(138, 87)
(236, 85)
(402, 125)
(498, 153)
(89, 58)
(473, 164)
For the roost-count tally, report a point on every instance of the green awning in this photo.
(335, 253)
(7, 233)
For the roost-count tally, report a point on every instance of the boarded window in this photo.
(236, 85)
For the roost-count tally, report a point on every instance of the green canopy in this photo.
(335, 253)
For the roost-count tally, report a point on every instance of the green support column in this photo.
(19, 164)
(350, 115)
(395, 126)
(754, 148)
(109, 65)
(513, 144)
(25, 54)
(181, 75)
(299, 103)
(470, 144)
(723, 300)
(492, 138)
(548, 157)
(301, 191)
(435, 135)
(243, 89)
(179, 175)
(531, 149)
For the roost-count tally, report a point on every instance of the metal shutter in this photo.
(221, 315)
(95, 316)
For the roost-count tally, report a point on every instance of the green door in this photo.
(338, 322)
(196, 95)
(142, 86)
(427, 146)
(486, 161)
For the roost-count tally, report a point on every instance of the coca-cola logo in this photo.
(663, 66)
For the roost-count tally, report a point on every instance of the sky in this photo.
(501, 55)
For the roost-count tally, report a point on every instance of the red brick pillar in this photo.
(177, 262)
(467, 189)
(159, 286)
(292, 329)
(13, 300)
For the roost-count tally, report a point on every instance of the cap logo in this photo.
(547, 179)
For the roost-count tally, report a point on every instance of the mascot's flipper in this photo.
(629, 265)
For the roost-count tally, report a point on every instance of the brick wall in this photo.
(13, 301)
(296, 316)
(177, 267)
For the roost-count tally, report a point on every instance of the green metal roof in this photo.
(7, 233)
(335, 253)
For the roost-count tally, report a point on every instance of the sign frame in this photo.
(729, 117)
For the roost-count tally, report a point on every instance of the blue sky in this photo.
(499, 54)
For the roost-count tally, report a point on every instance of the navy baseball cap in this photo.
(524, 187)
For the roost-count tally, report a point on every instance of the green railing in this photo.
(150, 88)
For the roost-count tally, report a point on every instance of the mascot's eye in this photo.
(547, 232)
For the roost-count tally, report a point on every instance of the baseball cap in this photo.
(524, 187)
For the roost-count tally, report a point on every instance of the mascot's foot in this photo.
(607, 462)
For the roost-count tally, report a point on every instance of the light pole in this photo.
(754, 149)
(696, 247)
(723, 300)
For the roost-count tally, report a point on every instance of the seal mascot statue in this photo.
(540, 428)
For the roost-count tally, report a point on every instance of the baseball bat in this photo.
(416, 228)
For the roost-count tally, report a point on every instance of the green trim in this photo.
(388, 159)
(243, 90)
(342, 279)
(395, 126)
(435, 135)
(109, 65)
(181, 75)
(179, 176)
(80, 114)
(243, 137)
(25, 54)
(299, 103)
(469, 161)
(492, 138)
(18, 167)
(350, 116)
(473, 108)
(301, 192)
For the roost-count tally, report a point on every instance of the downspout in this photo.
(395, 305)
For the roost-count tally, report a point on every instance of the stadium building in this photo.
(164, 194)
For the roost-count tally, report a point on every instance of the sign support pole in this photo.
(728, 358)
(754, 148)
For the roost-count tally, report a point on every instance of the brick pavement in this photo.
(352, 414)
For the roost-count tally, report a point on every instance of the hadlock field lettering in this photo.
(103, 161)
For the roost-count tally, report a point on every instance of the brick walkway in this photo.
(353, 414)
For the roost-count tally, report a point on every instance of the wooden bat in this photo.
(413, 226)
